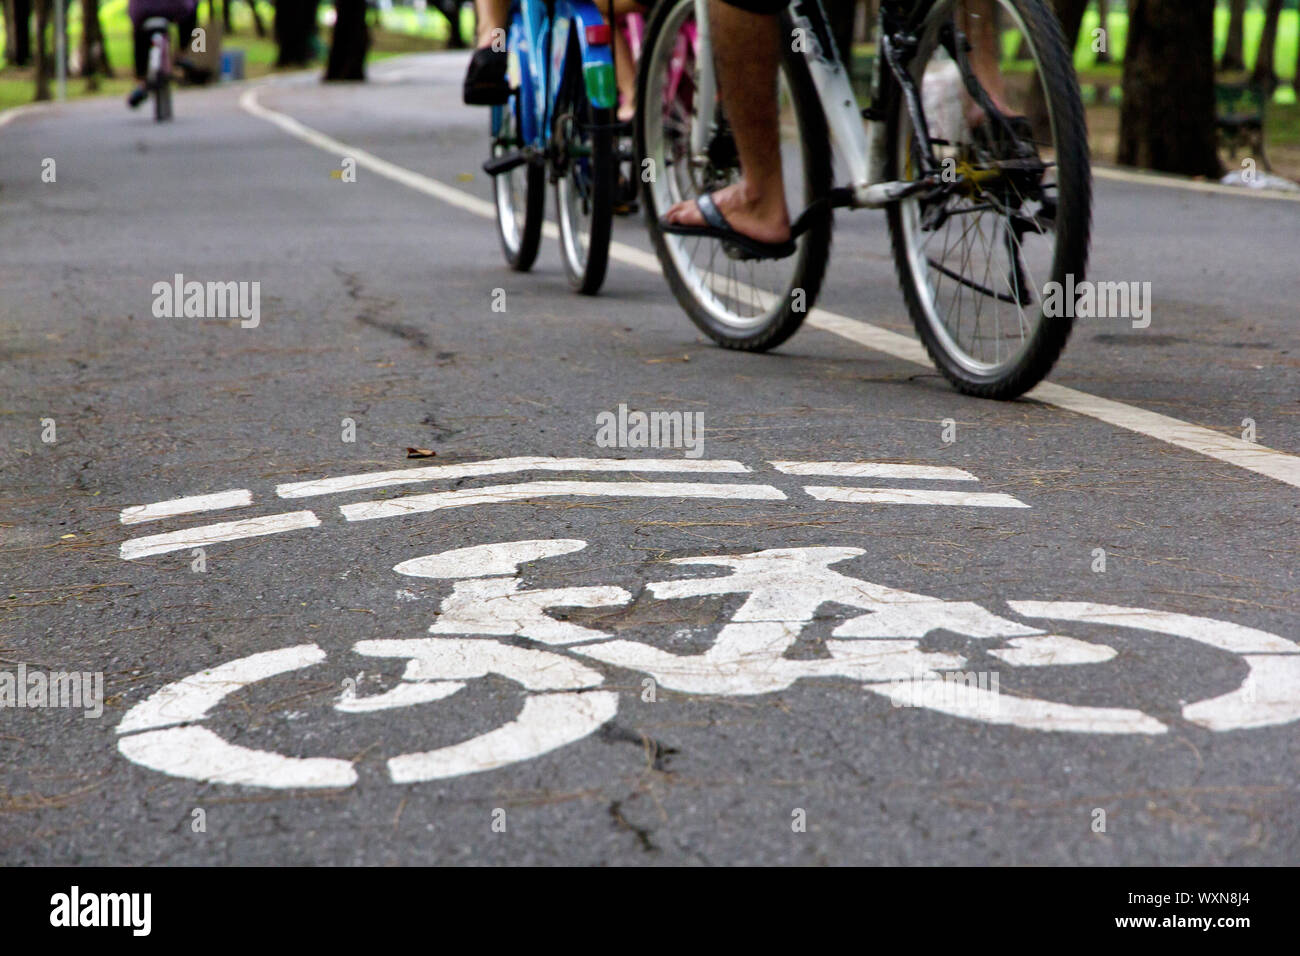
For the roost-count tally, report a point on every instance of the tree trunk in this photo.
(44, 62)
(22, 36)
(293, 31)
(94, 52)
(1167, 119)
(350, 43)
(1103, 11)
(227, 24)
(1234, 51)
(1264, 73)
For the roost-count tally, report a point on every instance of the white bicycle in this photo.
(982, 217)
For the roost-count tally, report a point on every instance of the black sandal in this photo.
(735, 244)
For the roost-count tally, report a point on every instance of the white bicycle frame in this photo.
(859, 147)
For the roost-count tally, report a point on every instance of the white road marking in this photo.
(235, 498)
(196, 753)
(206, 534)
(500, 466)
(546, 722)
(1265, 698)
(191, 698)
(1191, 185)
(486, 560)
(914, 496)
(403, 695)
(873, 469)
(499, 494)
(1257, 458)
(1052, 650)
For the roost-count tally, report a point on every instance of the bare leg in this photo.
(492, 15)
(979, 23)
(747, 51)
(626, 70)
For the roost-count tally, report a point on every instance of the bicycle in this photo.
(982, 218)
(158, 78)
(559, 125)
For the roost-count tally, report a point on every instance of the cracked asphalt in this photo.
(376, 309)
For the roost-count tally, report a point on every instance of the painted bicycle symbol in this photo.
(490, 623)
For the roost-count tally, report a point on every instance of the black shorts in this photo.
(759, 6)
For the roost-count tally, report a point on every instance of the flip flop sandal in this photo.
(735, 244)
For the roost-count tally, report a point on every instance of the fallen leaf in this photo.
(420, 453)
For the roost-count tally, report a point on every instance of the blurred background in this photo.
(1197, 87)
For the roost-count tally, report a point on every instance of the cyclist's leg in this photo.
(141, 55)
(746, 37)
(979, 23)
(485, 80)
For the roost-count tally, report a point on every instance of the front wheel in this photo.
(519, 193)
(979, 263)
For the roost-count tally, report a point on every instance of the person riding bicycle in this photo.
(747, 51)
(183, 12)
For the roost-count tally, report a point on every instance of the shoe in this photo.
(735, 244)
(485, 80)
(137, 96)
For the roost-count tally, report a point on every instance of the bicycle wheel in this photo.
(519, 193)
(584, 174)
(977, 263)
(162, 98)
(752, 305)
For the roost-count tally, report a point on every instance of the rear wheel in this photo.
(162, 98)
(976, 264)
(519, 193)
(740, 304)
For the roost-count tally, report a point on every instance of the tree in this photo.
(1103, 13)
(1234, 51)
(1265, 75)
(350, 43)
(295, 26)
(94, 52)
(1167, 119)
(1070, 13)
(18, 32)
(44, 61)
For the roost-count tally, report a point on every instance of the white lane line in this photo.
(873, 469)
(914, 496)
(1192, 185)
(235, 498)
(1257, 458)
(499, 466)
(206, 534)
(498, 494)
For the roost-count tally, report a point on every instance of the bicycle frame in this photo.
(859, 148)
(539, 47)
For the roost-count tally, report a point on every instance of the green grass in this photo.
(401, 31)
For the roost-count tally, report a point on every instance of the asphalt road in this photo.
(376, 308)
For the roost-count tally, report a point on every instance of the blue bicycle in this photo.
(559, 124)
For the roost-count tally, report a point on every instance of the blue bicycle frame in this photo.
(537, 26)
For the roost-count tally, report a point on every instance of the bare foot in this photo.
(749, 214)
(626, 110)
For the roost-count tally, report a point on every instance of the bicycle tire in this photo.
(1073, 216)
(520, 250)
(588, 276)
(814, 245)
